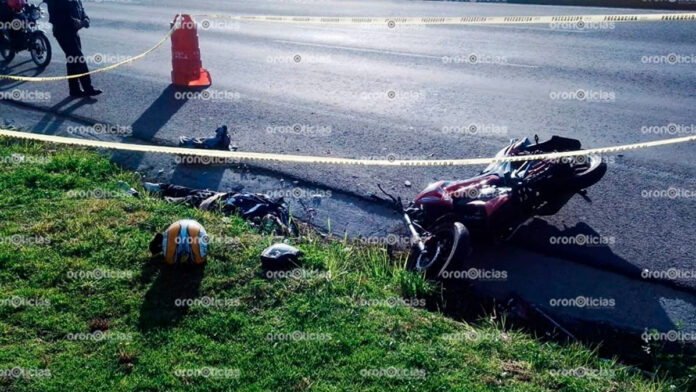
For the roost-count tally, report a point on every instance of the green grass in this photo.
(153, 345)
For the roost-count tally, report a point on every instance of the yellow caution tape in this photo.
(391, 23)
(280, 158)
(464, 20)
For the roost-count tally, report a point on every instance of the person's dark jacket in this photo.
(67, 15)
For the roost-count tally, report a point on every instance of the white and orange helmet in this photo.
(185, 242)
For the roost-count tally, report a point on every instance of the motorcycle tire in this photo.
(585, 177)
(451, 244)
(6, 51)
(40, 49)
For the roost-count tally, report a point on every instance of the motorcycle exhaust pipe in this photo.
(415, 237)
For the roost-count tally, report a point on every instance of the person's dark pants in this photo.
(71, 44)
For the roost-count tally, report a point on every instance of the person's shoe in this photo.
(92, 93)
(77, 94)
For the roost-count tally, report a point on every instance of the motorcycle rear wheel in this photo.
(445, 251)
(40, 49)
(585, 175)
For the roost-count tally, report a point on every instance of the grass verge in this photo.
(84, 307)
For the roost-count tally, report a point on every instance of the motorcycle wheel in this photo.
(6, 50)
(445, 250)
(585, 174)
(40, 49)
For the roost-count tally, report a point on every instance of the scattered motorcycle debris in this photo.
(280, 257)
(259, 209)
(221, 141)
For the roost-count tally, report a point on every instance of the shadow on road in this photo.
(572, 243)
(541, 288)
(7, 69)
(54, 118)
(158, 114)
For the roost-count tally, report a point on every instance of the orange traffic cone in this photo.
(187, 67)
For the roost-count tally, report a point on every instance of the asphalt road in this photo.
(411, 93)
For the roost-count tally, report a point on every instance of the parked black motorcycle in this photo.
(23, 33)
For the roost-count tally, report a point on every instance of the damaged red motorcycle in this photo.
(447, 216)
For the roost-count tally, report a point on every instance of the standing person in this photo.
(68, 17)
